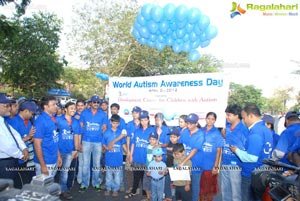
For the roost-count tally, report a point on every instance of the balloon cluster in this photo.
(102, 76)
(179, 27)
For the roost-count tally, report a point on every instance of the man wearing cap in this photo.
(192, 139)
(104, 106)
(288, 136)
(12, 146)
(23, 123)
(269, 121)
(94, 123)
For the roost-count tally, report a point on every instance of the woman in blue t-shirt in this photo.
(138, 152)
(211, 150)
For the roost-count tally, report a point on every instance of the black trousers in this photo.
(181, 193)
(8, 169)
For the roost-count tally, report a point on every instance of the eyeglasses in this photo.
(96, 102)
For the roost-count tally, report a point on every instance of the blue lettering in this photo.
(122, 84)
(212, 82)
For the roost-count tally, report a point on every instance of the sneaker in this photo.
(82, 189)
(98, 188)
(66, 196)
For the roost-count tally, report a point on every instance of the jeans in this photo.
(113, 178)
(196, 178)
(231, 180)
(247, 191)
(52, 169)
(80, 167)
(167, 186)
(63, 175)
(157, 189)
(71, 173)
(88, 148)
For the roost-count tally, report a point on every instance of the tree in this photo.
(7, 27)
(29, 61)
(102, 37)
(245, 94)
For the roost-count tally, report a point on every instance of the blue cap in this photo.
(104, 101)
(157, 152)
(174, 131)
(268, 118)
(28, 105)
(136, 109)
(192, 118)
(4, 99)
(291, 114)
(95, 99)
(144, 114)
(59, 105)
(153, 135)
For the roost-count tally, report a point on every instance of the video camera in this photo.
(41, 188)
(282, 187)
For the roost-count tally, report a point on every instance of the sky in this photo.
(255, 49)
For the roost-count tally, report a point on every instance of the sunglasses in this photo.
(96, 102)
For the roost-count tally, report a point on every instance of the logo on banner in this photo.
(236, 10)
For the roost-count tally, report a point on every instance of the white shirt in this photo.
(8, 146)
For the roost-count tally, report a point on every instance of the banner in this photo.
(172, 95)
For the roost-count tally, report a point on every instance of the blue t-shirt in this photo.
(212, 140)
(259, 143)
(66, 134)
(236, 137)
(164, 138)
(19, 125)
(92, 125)
(191, 142)
(120, 127)
(114, 157)
(131, 128)
(154, 167)
(47, 130)
(288, 137)
(140, 143)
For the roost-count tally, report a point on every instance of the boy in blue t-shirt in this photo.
(113, 157)
(156, 171)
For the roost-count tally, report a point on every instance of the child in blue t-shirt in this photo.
(113, 157)
(157, 170)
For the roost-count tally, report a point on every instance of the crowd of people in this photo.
(81, 142)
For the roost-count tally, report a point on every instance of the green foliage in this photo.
(245, 94)
(82, 83)
(102, 37)
(29, 60)
(278, 103)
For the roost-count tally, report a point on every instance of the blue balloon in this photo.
(181, 24)
(136, 33)
(204, 22)
(160, 46)
(173, 26)
(157, 13)
(161, 38)
(152, 26)
(195, 44)
(153, 37)
(189, 27)
(150, 43)
(186, 47)
(194, 55)
(102, 76)
(146, 11)
(169, 41)
(140, 19)
(136, 25)
(163, 27)
(144, 32)
(180, 33)
(211, 32)
(205, 43)
(181, 13)
(193, 36)
(186, 37)
(194, 15)
(142, 41)
(203, 37)
(169, 11)
(176, 48)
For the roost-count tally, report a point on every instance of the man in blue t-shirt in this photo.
(47, 156)
(93, 122)
(234, 135)
(258, 147)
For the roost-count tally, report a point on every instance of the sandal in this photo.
(107, 193)
(129, 195)
(115, 194)
(129, 190)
